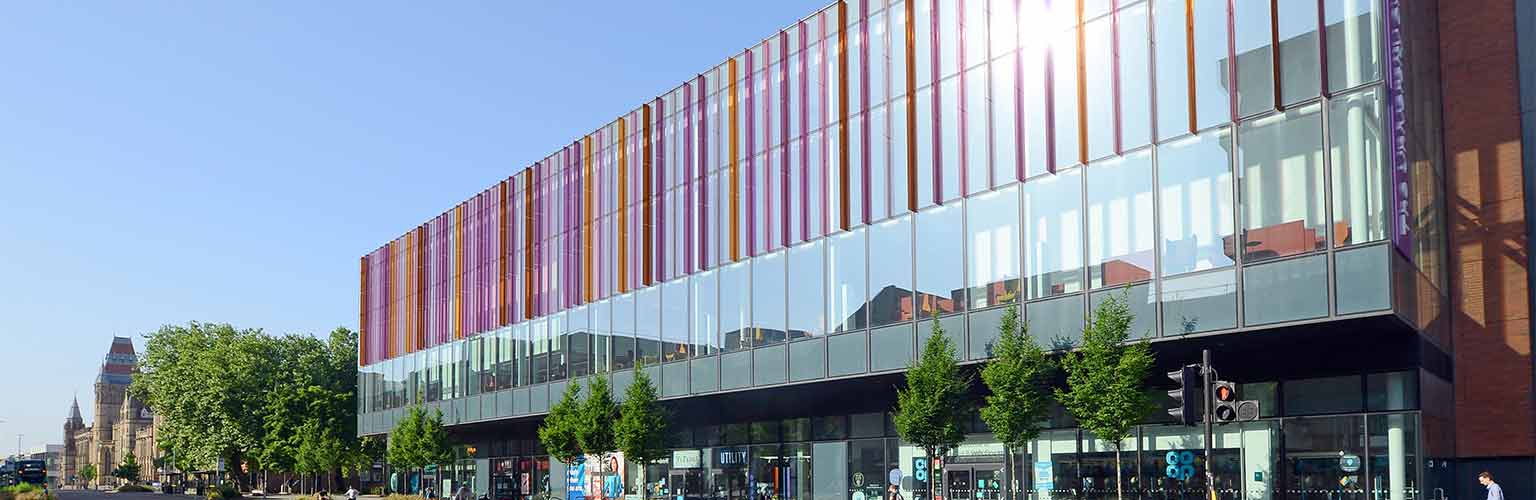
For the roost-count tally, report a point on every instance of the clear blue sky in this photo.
(162, 162)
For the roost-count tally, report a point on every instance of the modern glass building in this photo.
(770, 238)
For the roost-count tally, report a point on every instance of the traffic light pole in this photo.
(1206, 376)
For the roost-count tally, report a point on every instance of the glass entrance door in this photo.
(973, 482)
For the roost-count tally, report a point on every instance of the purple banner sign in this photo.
(1397, 120)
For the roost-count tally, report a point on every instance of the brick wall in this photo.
(1486, 217)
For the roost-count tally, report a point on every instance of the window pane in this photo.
(1359, 175)
(674, 321)
(648, 325)
(925, 124)
(890, 272)
(578, 343)
(1255, 66)
(1323, 395)
(1299, 67)
(1282, 183)
(705, 314)
(1354, 42)
(1053, 229)
(846, 284)
(1172, 76)
(1100, 60)
(806, 294)
(1211, 82)
(992, 224)
(1195, 186)
(624, 332)
(1120, 220)
(1200, 303)
(940, 261)
(1312, 450)
(1034, 108)
(734, 298)
(1064, 86)
(977, 161)
(1286, 290)
(602, 324)
(1004, 116)
(949, 135)
(1135, 73)
(768, 299)
(1394, 445)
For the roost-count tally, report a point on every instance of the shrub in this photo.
(133, 488)
(35, 495)
(376, 491)
(398, 496)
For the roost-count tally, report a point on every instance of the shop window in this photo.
(1394, 457)
(1392, 391)
(1322, 395)
(1324, 453)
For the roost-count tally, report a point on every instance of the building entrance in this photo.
(973, 481)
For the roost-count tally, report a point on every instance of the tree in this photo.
(930, 409)
(1019, 377)
(210, 382)
(404, 450)
(1104, 378)
(594, 429)
(641, 432)
(128, 470)
(87, 473)
(433, 442)
(559, 430)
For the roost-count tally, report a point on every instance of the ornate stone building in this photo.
(120, 423)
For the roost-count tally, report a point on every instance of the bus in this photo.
(15, 472)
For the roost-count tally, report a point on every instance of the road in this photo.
(103, 495)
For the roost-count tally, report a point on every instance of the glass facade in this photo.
(967, 182)
(801, 211)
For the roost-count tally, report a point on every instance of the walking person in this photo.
(351, 493)
(1494, 491)
(462, 494)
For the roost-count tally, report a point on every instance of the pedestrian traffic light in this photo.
(1223, 401)
(1183, 396)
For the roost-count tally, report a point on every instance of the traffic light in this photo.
(1183, 397)
(1225, 407)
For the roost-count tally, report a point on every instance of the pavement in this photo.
(68, 494)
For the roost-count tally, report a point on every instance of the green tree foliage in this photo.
(1105, 378)
(128, 470)
(641, 432)
(87, 473)
(559, 430)
(210, 382)
(932, 406)
(247, 397)
(403, 450)
(594, 430)
(435, 447)
(1019, 378)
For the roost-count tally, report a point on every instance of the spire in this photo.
(74, 421)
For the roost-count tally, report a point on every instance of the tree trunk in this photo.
(1119, 485)
(1007, 472)
(932, 481)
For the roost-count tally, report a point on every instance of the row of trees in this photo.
(578, 426)
(1104, 388)
(279, 404)
(419, 440)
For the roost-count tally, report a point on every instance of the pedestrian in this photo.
(351, 493)
(462, 494)
(1494, 491)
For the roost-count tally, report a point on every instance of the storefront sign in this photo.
(1044, 480)
(574, 483)
(686, 459)
(979, 450)
(732, 456)
(1397, 124)
(1349, 463)
(1181, 465)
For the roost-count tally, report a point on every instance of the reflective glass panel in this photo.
(1053, 261)
(705, 313)
(674, 321)
(890, 272)
(846, 284)
(940, 260)
(734, 300)
(1353, 31)
(1356, 147)
(768, 299)
(1195, 184)
(992, 225)
(1120, 220)
(807, 304)
(1281, 158)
